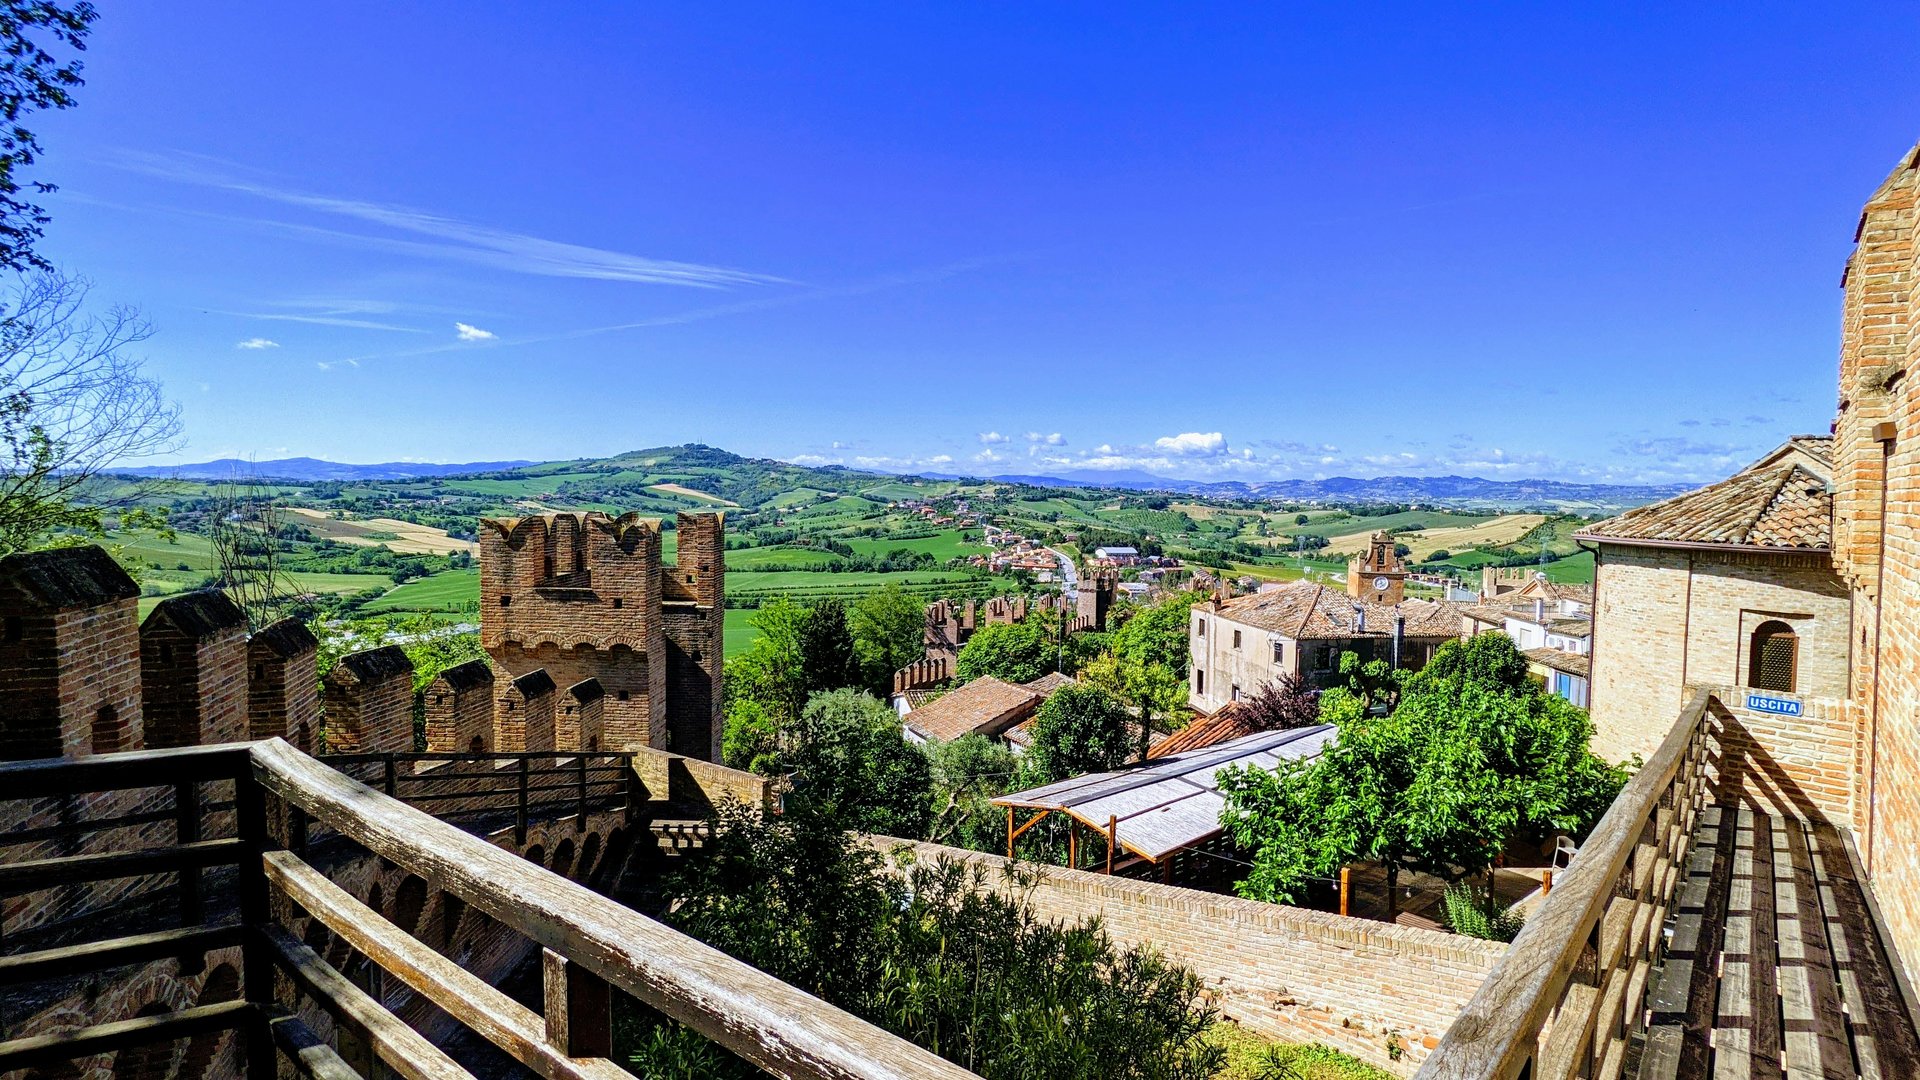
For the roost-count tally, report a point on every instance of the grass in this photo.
(449, 590)
(950, 544)
(739, 633)
(778, 555)
(1346, 526)
(1250, 1057)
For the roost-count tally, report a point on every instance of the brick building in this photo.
(588, 596)
(69, 655)
(1377, 575)
(1793, 587)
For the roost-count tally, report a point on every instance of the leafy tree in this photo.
(1151, 692)
(1015, 652)
(750, 737)
(1282, 704)
(772, 671)
(1080, 729)
(1471, 759)
(826, 648)
(1372, 682)
(934, 952)
(889, 629)
(851, 762)
(1157, 636)
(31, 79)
(967, 773)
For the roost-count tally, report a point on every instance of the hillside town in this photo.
(1039, 761)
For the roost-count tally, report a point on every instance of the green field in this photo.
(448, 591)
(739, 634)
(1412, 519)
(946, 546)
(778, 555)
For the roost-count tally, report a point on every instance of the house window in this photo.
(1323, 658)
(1236, 691)
(1199, 682)
(1279, 652)
(1236, 639)
(1203, 627)
(1774, 660)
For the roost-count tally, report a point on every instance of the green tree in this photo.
(32, 79)
(889, 632)
(826, 648)
(967, 773)
(1016, 652)
(1080, 729)
(1157, 636)
(851, 762)
(772, 671)
(1474, 756)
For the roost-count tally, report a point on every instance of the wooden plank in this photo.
(1733, 1012)
(41, 1050)
(1814, 1028)
(405, 1051)
(777, 1027)
(115, 952)
(1498, 1031)
(578, 1006)
(1884, 1040)
(309, 1054)
(466, 997)
(47, 777)
(1569, 1042)
(1764, 994)
(1696, 943)
(36, 874)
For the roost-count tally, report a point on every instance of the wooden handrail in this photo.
(773, 1025)
(46, 777)
(1498, 1032)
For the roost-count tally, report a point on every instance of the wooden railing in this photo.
(467, 786)
(591, 947)
(1567, 997)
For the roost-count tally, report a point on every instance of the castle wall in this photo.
(459, 707)
(632, 684)
(195, 689)
(695, 655)
(283, 695)
(370, 713)
(65, 675)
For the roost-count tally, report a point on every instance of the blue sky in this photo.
(1532, 240)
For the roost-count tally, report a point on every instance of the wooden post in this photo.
(520, 807)
(1546, 881)
(579, 1008)
(391, 769)
(257, 963)
(1073, 846)
(1346, 887)
(1009, 832)
(1113, 835)
(581, 761)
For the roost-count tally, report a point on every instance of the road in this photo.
(1069, 577)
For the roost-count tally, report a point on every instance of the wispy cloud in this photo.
(448, 238)
(1055, 439)
(993, 438)
(469, 332)
(258, 343)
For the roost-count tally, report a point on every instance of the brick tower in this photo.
(587, 596)
(1097, 591)
(1378, 576)
(69, 655)
(283, 685)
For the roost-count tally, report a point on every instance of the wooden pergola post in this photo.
(1346, 887)
(1009, 832)
(1073, 845)
(1113, 835)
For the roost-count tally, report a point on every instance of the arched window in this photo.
(1773, 663)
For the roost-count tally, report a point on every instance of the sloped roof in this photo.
(1046, 684)
(288, 637)
(1558, 660)
(534, 683)
(198, 614)
(1165, 804)
(471, 675)
(66, 578)
(1308, 610)
(1231, 721)
(986, 705)
(587, 690)
(373, 665)
(1782, 501)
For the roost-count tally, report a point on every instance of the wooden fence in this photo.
(592, 946)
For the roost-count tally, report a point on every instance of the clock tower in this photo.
(1378, 576)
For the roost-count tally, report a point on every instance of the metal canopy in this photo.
(1161, 806)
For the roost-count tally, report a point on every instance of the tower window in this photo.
(505, 600)
(1773, 661)
(616, 603)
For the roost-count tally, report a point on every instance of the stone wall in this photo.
(1286, 973)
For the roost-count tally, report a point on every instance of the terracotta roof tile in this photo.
(986, 705)
(1560, 660)
(1306, 610)
(1231, 721)
(1777, 505)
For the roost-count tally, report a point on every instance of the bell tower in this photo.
(1378, 576)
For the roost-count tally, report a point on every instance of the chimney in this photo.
(1539, 610)
(1359, 618)
(1399, 637)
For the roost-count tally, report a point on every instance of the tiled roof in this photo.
(1781, 502)
(288, 637)
(1230, 721)
(1046, 684)
(468, 676)
(587, 690)
(62, 578)
(375, 664)
(986, 705)
(1558, 660)
(534, 683)
(1306, 610)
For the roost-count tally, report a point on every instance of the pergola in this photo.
(1160, 807)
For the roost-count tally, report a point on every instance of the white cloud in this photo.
(940, 459)
(258, 343)
(993, 438)
(988, 456)
(472, 333)
(1192, 442)
(1055, 439)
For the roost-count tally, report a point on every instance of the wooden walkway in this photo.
(1775, 970)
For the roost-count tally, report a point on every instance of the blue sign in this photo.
(1778, 706)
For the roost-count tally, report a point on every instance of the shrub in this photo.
(1475, 912)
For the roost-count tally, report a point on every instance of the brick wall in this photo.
(65, 675)
(283, 684)
(1800, 766)
(1284, 972)
(369, 703)
(459, 708)
(582, 721)
(524, 720)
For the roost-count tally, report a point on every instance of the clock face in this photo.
(1380, 583)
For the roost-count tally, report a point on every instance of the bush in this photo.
(1477, 913)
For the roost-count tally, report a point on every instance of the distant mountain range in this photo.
(313, 469)
(1463, 492)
